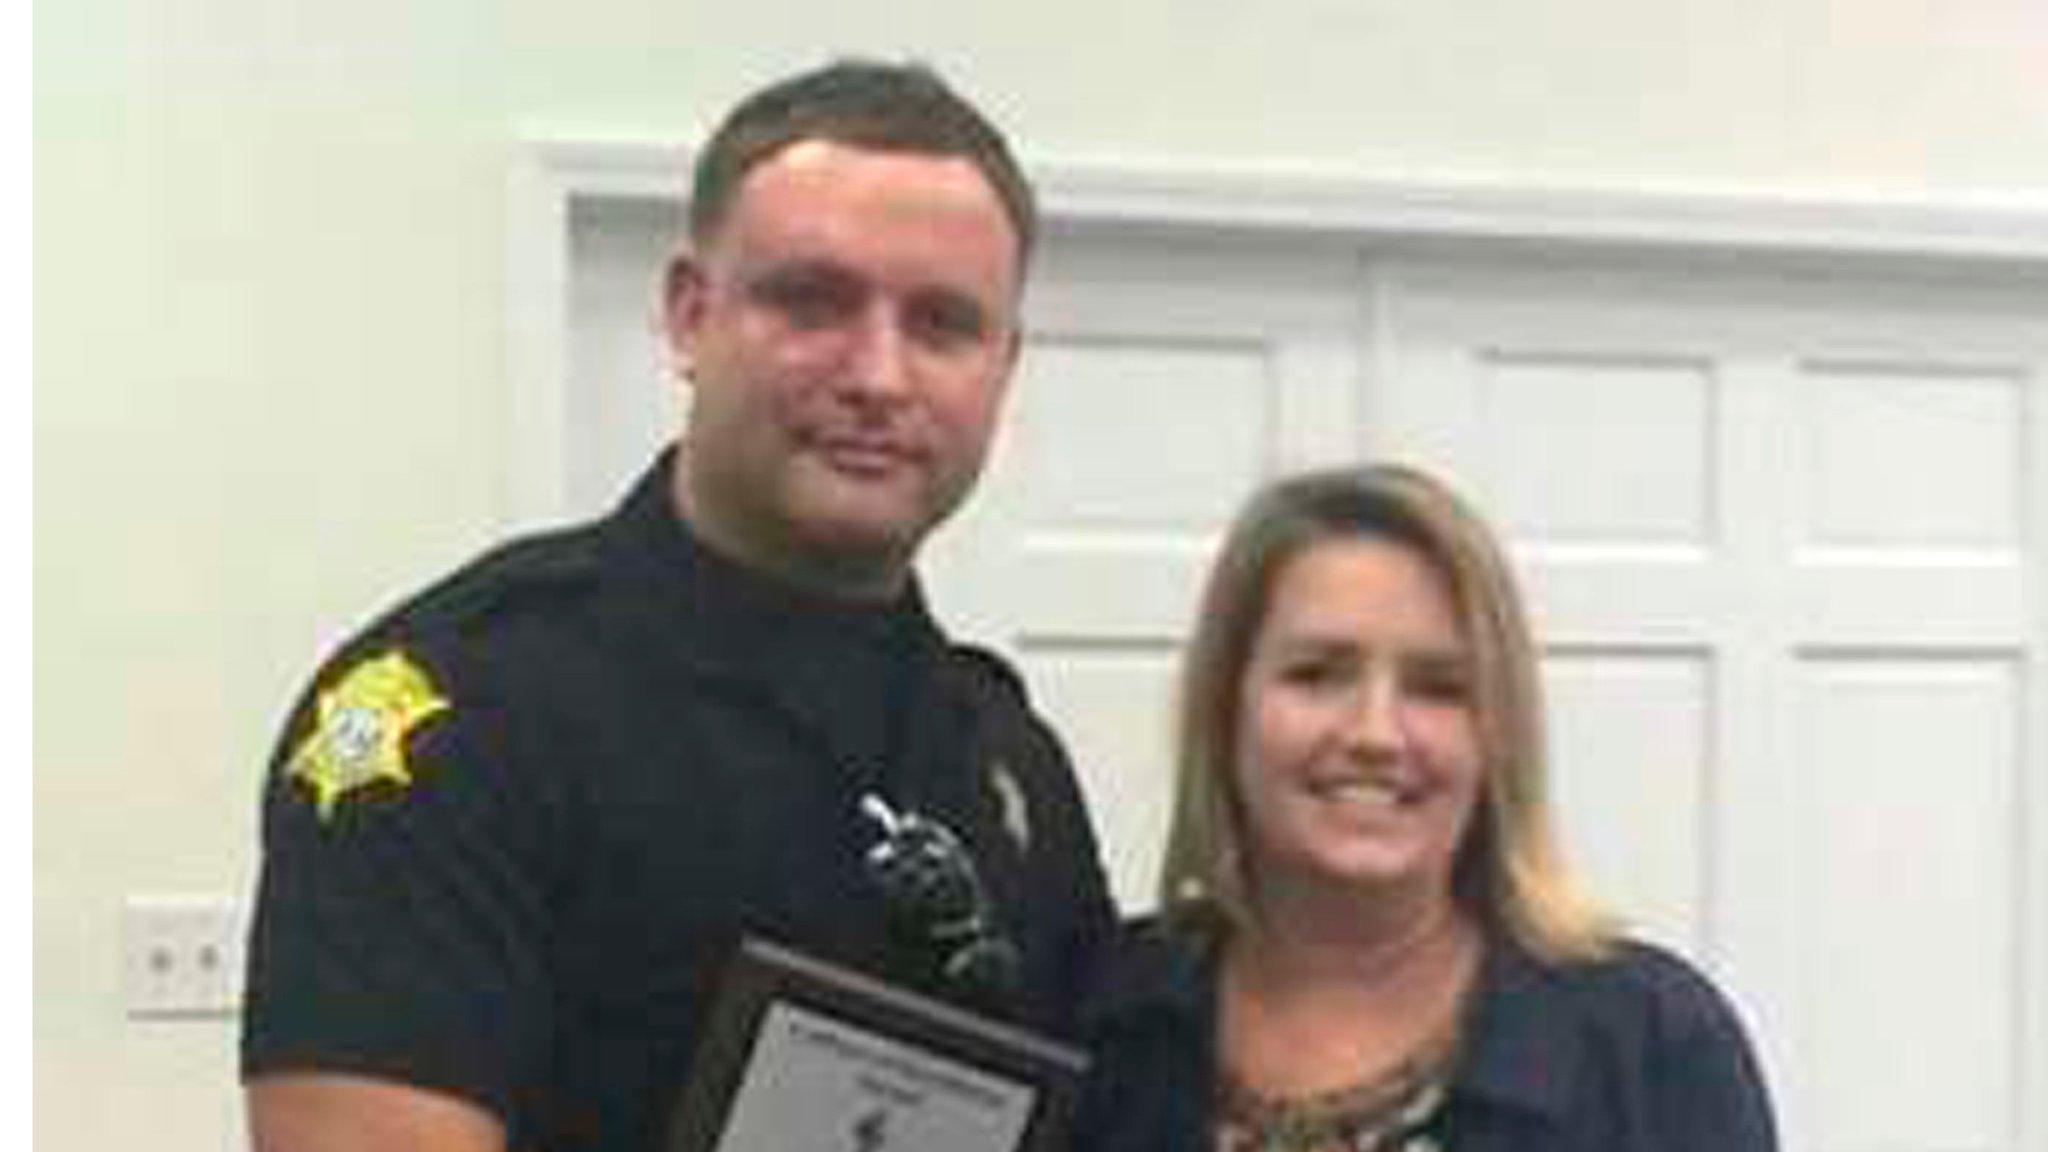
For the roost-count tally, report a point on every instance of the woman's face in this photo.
(1358, 758)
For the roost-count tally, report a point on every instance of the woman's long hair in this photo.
(1509, 872)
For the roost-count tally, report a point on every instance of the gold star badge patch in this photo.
(361, 728)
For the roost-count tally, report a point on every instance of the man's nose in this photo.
(879, 364)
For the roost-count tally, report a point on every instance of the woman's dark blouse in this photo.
(1629, 1054)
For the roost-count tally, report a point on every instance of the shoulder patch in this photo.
(360, 729)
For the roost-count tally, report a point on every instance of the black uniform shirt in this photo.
(645, 752)
(1636, 1053)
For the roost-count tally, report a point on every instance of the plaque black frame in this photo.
(760, 973)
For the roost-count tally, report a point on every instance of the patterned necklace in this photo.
(1390, 1112)
(1386, 1114)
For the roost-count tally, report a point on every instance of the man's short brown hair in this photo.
(865, 104)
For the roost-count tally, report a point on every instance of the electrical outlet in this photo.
(182, 956)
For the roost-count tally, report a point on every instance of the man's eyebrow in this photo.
(799, 268)
(957, 303)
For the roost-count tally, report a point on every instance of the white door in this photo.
(1785, 541)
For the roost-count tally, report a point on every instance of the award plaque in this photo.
(801, 1055)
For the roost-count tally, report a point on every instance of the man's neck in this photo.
(848, 579)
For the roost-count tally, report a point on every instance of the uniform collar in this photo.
(741, 613)
(863, 683)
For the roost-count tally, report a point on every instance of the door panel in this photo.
(1905, 887)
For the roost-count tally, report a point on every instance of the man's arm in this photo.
(395, 981)
(332, 1112)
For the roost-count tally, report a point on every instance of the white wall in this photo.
(1862, 97)
(269, 331)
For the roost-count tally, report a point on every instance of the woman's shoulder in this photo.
(1649, 984)
(1641, 1003)
(1657, 1033)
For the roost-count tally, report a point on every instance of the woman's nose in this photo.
(1375, 719)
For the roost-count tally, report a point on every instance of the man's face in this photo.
(850, 331)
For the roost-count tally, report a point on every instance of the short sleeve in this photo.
(400, 923)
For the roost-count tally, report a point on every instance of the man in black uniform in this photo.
(515, 824)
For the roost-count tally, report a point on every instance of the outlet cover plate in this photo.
(182, 956)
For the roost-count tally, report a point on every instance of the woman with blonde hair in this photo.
(1368, 940)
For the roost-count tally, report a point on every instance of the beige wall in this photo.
(268, 325)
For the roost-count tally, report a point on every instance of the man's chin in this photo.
(879, 523)
(857, 518)
(860, 544)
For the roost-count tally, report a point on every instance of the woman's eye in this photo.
(1446, 687)
(1311, 673)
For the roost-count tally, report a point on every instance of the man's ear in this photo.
(683, 302)
(1015, 349)
(1012, 353)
